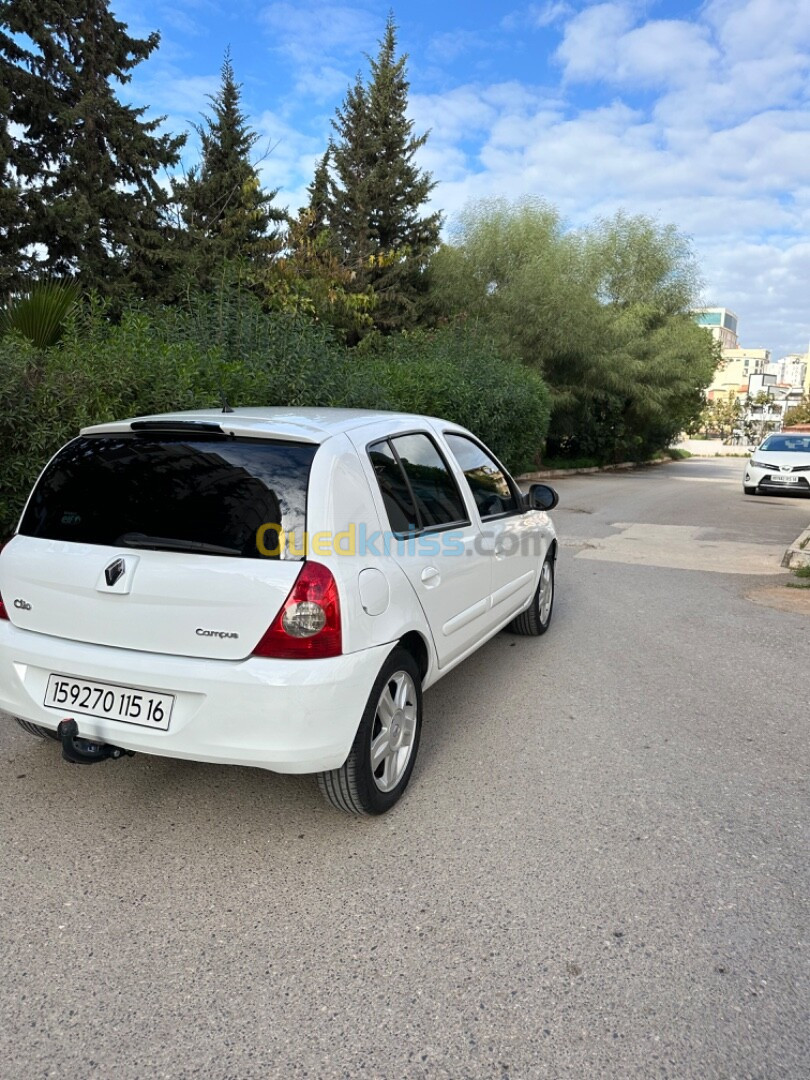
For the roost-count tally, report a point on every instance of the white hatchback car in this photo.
(265, 587)
(780, 464)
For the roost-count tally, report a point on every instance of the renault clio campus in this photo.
(265, 587)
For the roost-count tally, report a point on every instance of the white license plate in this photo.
(109, 702)
(785, 479)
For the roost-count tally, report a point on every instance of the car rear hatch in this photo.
(152, 540)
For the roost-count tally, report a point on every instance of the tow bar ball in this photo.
(85, 751)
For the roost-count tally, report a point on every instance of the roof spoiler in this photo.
(177, 425)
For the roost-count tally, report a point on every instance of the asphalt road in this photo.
(601, 869)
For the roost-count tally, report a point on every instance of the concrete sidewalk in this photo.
(711, 448)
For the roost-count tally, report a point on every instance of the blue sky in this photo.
(698, 114)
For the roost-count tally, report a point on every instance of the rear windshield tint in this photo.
(209, 495)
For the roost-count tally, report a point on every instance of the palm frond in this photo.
(39, 310)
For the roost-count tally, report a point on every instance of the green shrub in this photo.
(457, 375)
(226, 346)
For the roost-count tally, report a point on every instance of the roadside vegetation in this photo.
(126, 295)
(799, 415)
(802, 575)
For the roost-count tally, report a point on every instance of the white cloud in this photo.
(323, 42)
(601, 44)
(759, 28)
(709, 129)
(288, 158)
(312, 29)
(549, 14)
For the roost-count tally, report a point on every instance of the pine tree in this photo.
(227, 214)
(377, 196)
(88, 164)
(11, 215)
(310, 276)
(318, 206)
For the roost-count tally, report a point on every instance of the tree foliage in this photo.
(602, 313)
(800, 414)
(87, 163)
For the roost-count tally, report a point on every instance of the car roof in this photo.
(314, 425)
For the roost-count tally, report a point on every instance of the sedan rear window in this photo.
(208, 495)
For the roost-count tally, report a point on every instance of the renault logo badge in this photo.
(115, 571)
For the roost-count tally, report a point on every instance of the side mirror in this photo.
(542, 497)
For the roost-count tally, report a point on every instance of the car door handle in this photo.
(431, 577)
(500, 550)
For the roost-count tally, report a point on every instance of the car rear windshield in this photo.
(209, 495)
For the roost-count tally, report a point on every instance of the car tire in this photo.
(37, 731)
(536, 619)
(380, 762)
(750, 490)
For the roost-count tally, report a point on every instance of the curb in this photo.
(550, 474)
(798, 554)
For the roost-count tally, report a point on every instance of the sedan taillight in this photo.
(308, 625)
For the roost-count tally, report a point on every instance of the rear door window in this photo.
(208, 495)
(418, 489)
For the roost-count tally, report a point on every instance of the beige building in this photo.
(793, 370)
(735, 369)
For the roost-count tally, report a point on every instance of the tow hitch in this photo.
(85, 751)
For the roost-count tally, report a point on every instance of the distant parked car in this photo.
(265, 587)
(780, 464)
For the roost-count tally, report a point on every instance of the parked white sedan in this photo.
(265, 587)
(780, 464)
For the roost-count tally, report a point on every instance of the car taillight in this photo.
(308, 625)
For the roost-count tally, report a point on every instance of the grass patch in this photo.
(803, 574)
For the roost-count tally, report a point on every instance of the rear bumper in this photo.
(292, 716)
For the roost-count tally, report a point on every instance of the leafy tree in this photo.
(310, 277)
(375, 206)
(723, 416)
(602, 313)
(87, 163)
(227, 214)
(798, 415)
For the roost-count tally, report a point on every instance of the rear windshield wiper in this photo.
(166, 543)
